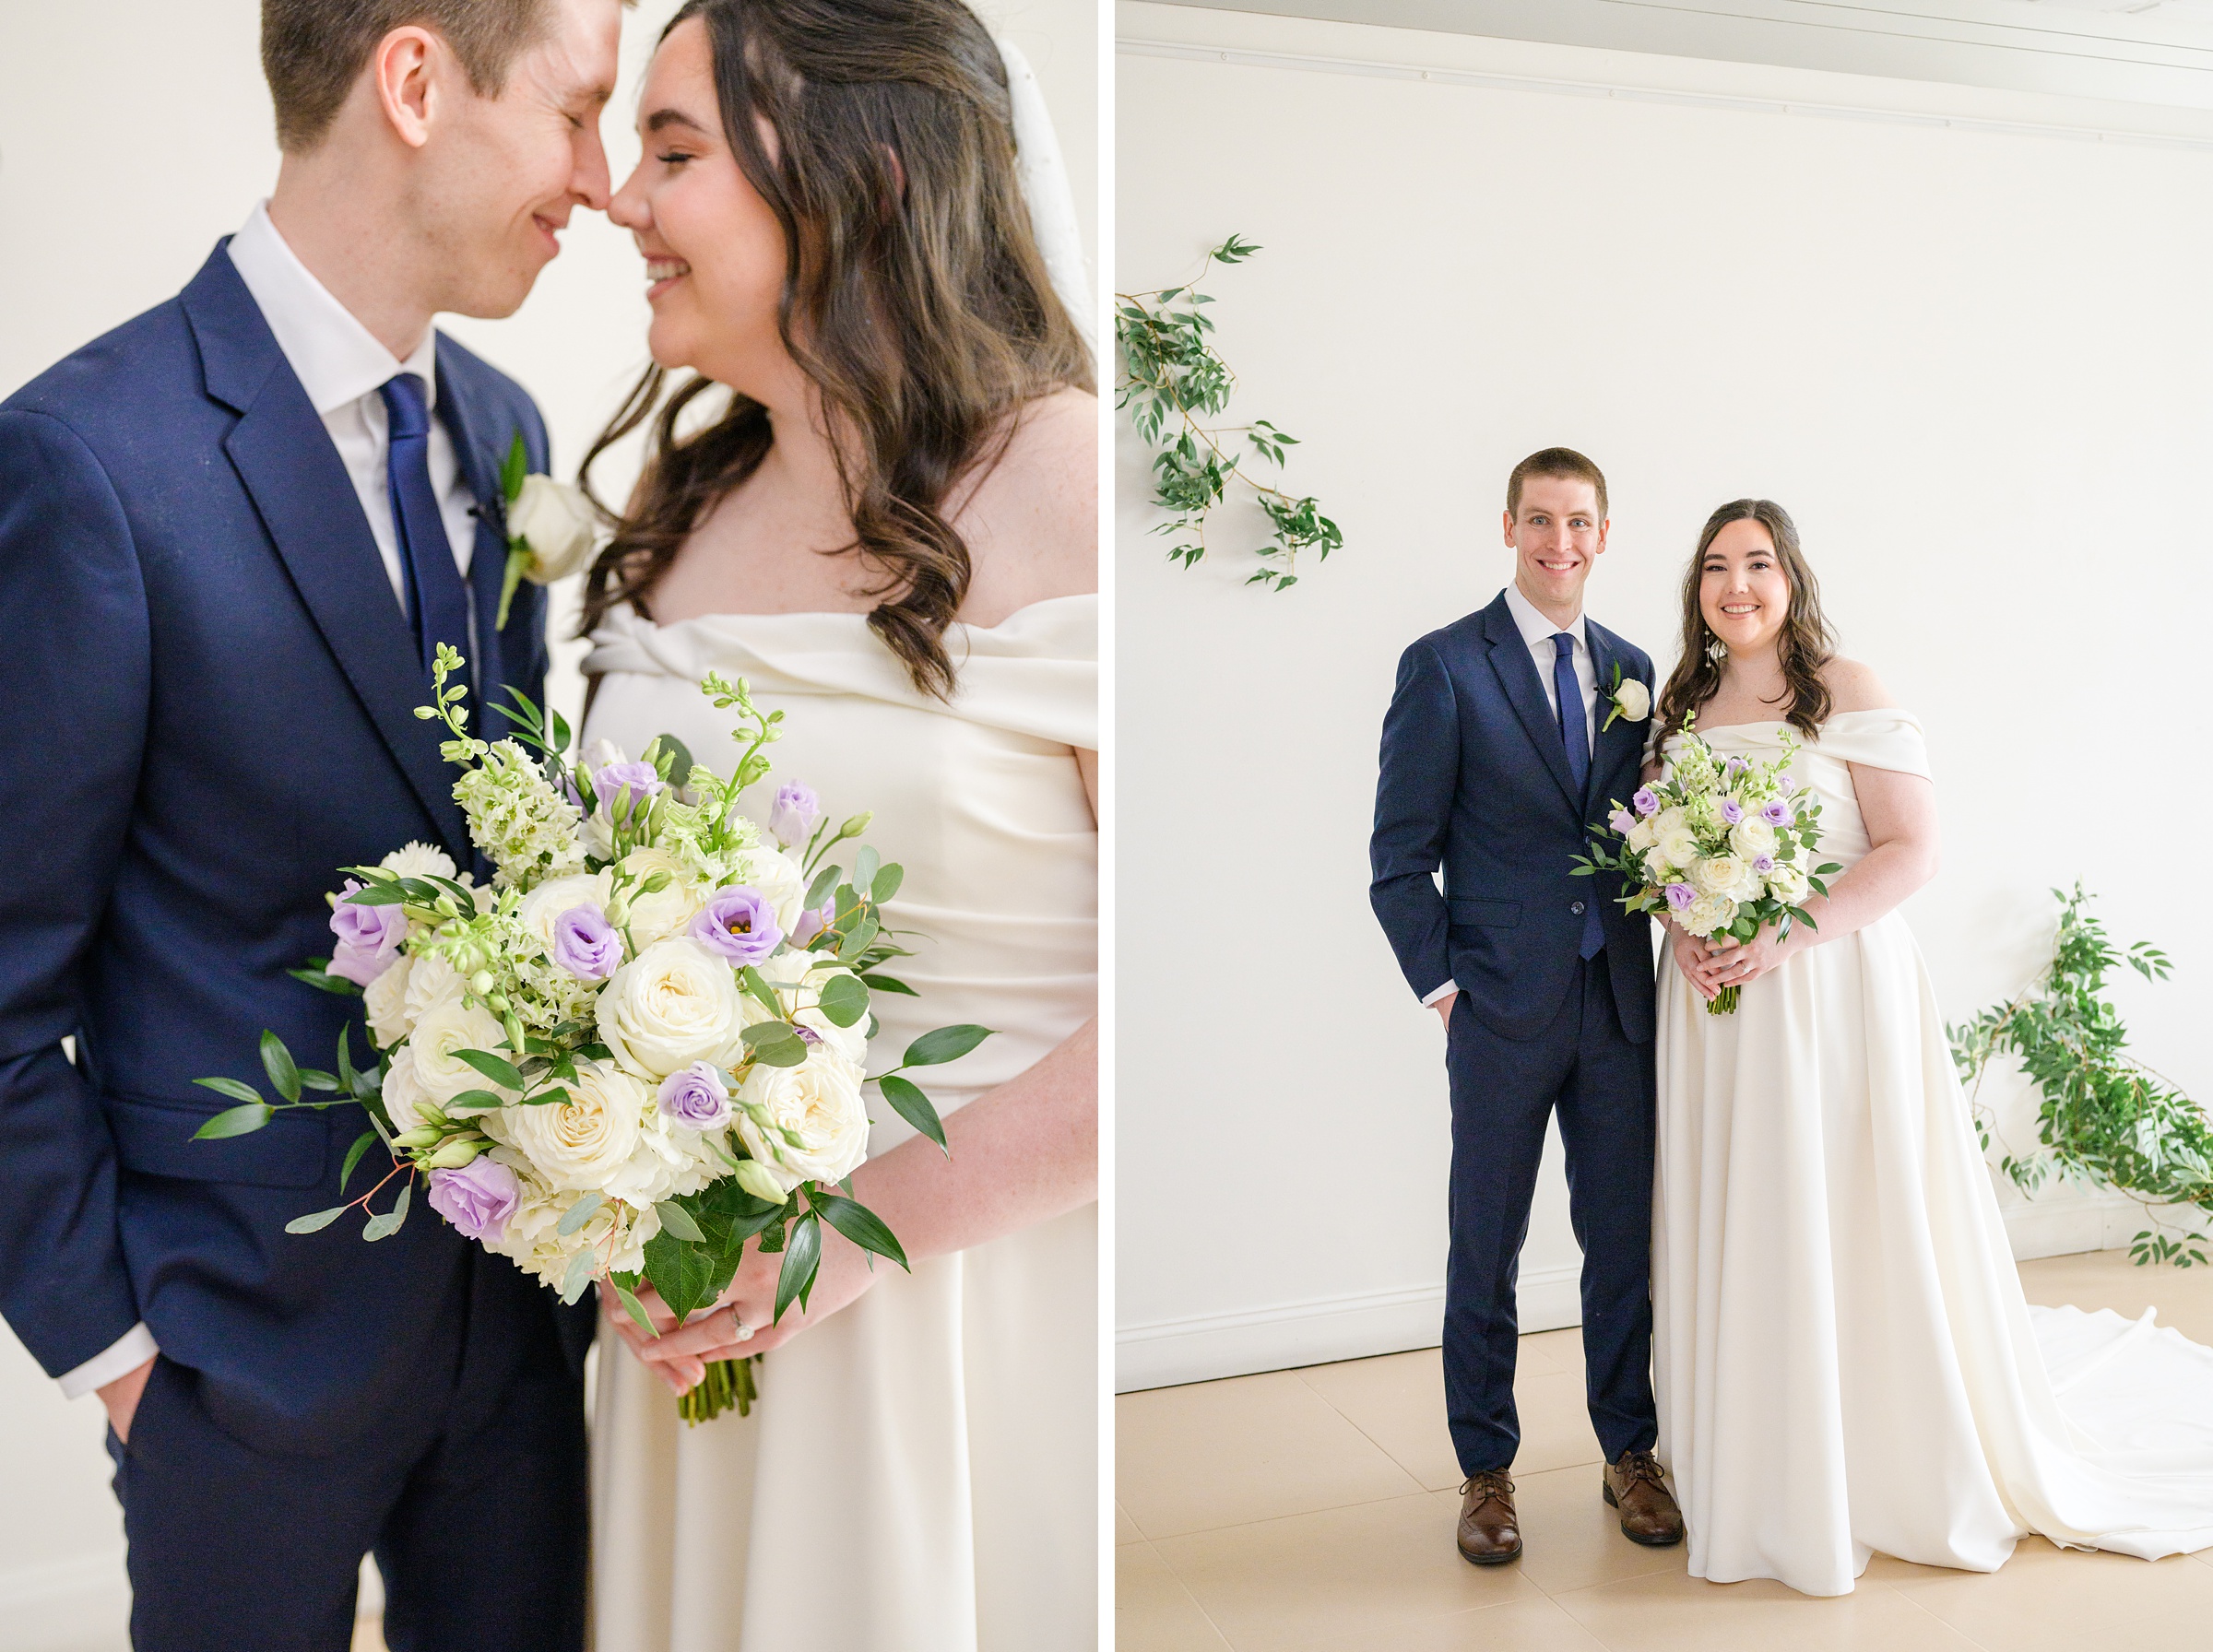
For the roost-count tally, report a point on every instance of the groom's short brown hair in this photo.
(311, 50)
(1564, 463)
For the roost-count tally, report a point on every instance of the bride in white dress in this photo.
(891, 533)
(1844, 1358)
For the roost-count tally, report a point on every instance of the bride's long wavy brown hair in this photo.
(914, 298)
(1805, 646)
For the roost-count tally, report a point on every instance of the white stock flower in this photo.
(557, 522)
(527, 829)
(776, 877)
(1752, 837)
(580, 1143)
(449, 1025)
(418, 860)
(673, 1004)
(668, 910)
(807, 1122)
(1787, 883)
(1721, 875)
(403, 1092)
(1707, 913)
(1634, 699)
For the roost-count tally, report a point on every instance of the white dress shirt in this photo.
(342, 366)
(1538, 632)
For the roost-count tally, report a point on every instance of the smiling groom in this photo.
(1509, 730)
(235, 530)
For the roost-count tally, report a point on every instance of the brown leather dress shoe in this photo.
(1490, 1533)
(1636, 1484)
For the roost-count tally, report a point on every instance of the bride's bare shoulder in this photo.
(1031, 521)
(1853, 687)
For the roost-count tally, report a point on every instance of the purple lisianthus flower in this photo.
(812, 922)
(477, 1198)
(1680, 895)
(1646, 801)
(1763, 864)
(1790, 786)
(1621, 822)
(585, 944)
(640, 778)
(1776, 813)
(1732, 810)
(1734, 767)
(368, 937)
(697, 1097)
(792, 815)
(739, 924)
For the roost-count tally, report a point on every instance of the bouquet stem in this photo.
(728, 1383)
(1723, 1002)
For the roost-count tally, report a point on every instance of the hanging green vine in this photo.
(2106, 1117)
(1171, 380)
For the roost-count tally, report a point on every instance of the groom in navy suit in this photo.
(231, 534)
(1500, 747)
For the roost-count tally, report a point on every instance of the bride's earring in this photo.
(1716, 650)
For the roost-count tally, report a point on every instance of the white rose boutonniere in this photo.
(551, 527)
(1630, 698)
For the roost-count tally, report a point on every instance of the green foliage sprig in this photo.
(1171, 380)
(2106, 1117)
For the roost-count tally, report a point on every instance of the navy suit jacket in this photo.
(209, 692)
(1474, 780)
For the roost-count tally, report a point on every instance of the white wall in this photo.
(132, 133)
(1971, 361)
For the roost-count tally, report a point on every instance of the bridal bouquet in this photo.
(1723, 845)
(640, 1045)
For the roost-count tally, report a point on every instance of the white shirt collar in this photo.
(1537, 630)
(337, 359)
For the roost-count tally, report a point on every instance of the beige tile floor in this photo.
(1314, 1509)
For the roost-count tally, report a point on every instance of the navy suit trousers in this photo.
(478, 1468)
(1583, 1067)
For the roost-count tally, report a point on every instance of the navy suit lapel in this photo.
(474, 440)
(283, 456)
(1517, 675)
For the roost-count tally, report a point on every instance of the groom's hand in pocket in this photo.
(1444, 1008)
(121, 1396)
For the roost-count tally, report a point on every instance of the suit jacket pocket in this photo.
(1490, 915)
(155, 1138)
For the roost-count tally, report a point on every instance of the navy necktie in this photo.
(1575, 733)
(437, 597)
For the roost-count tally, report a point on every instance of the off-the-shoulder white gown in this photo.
(1843, 1357)
(920, 1474)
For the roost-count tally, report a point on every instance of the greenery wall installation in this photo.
(2106, 1118)
(1171, 381)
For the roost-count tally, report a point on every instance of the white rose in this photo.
(1670, 819)
(1658, 869)
(386, 1001)
(805, 1123)
(673, 1004)
(1707, 913)
(1721, 875)
(579, 1144)
(431, 979)
(1639, 836)
(1634, 699)
(418, 860)
(668, 910)
(776, 877)
(403, 1092)
(799, 978)
(557, 520)
(448, 1025)
(1787, 883)
(1752, 837)
(543, 905)
(1678, 847)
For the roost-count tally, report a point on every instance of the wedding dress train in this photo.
(1844, 1358)
(920, 1473)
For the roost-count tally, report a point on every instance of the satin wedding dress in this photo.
(921, 1473)
(1844, 1358)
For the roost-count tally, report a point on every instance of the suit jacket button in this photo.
(1577, 909)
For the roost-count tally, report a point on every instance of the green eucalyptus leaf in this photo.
(318, 1221)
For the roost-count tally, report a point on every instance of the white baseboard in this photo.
(2058, 1223)
(1317, 1331)
(80, 1605)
